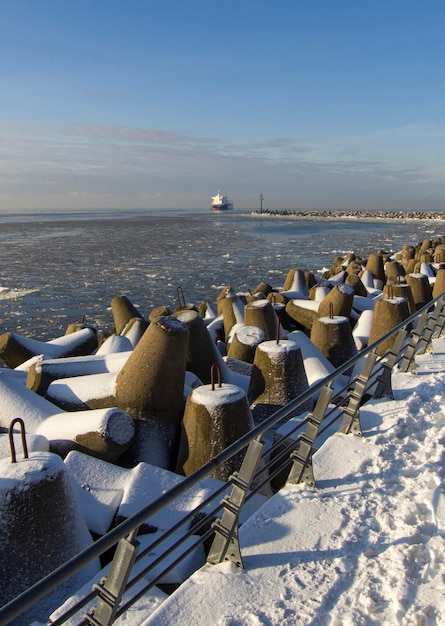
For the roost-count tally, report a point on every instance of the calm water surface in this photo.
(55, 268)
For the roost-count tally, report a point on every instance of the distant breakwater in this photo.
(334, 213)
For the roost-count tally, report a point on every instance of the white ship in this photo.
(221, 203)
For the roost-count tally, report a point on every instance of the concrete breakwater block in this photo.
(395, 268)
(278, 377)
(261, 313)
(203, 354)
(18, 401)
(406, 255)
(333, 337)
(361, 304)
(400, 290)
(42, 372)
(362, 329)
(368, 280)
(375, 265)
(106, 434)
(244, 342)
(439, 284)
(42, 528)
(263, 288)
(319, 292)
(304, 312)
(354, 281)
(150, 388)
(215, 416)
(420, 288)
(388, 313)
(16, 349)
(123, 310)
(295, 285)
(439, 254)
(114, 344)
(283, 317)
(338, 301)
(80, 393)
(107, 494)
(134, 330)
(427, 269)
(337, 275)
(316, 365)
(231, 307)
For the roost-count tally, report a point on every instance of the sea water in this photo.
(58, 267)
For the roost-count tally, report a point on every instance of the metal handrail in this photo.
(129, 526)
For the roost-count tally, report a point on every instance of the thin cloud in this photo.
(88, 162)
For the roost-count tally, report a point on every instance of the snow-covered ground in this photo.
(366, 547)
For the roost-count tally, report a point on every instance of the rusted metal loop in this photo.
(398, 279)
(212, 376)
(331, 310)
(277, 334)
(390, 291)
(180, 295)
(17, 420)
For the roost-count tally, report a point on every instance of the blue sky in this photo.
(140, 103)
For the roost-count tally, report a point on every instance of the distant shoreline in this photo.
(406, 215)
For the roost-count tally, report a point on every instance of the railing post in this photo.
(441, 319)
(225, 546)
(383, 381)
(111, 588)
(430, 327)
(351, 419)
(302, 469)
(407, 363)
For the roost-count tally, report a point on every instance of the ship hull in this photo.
(224, 207)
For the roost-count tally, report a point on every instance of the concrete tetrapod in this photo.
(439, 284)
(333, 337)
(244, 342)
(123, 311)
(263, 288)
(150, 388)
(354, 281)
(203, 354)
(338, 301)
(295, 285)
(215, 416)
(439, 254)
(278, 377)
(42, 528)
(376, 266)
(260, 313)
(388, 313)
(400, 290)
(231, 307)
(105, 433)
(420, 289)
(395, 269)
(134, 330)
(42, 372)
(16, 349)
